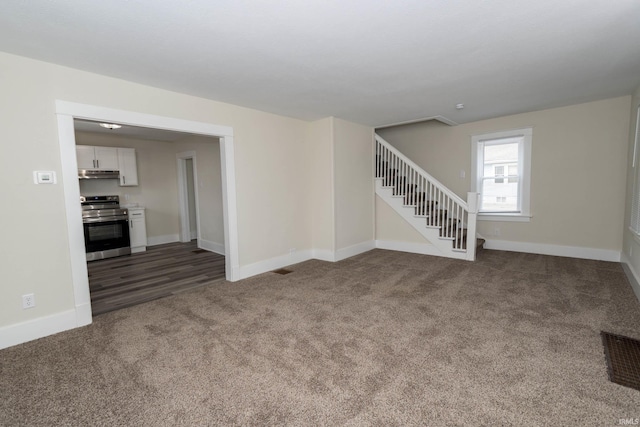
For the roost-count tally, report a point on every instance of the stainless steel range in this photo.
(106, 227)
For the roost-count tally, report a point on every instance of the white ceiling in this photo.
(374, 62)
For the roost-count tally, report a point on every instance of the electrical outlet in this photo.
(292, 251)
(496, 231)
(28, 301)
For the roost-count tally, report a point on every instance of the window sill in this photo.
(504, 217)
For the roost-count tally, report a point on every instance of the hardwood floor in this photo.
(159, 272)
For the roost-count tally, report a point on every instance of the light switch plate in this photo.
(44, 177)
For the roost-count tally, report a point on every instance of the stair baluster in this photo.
(447, 220)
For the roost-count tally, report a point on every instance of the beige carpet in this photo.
(384, 338)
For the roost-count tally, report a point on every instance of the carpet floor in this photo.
(383, 338)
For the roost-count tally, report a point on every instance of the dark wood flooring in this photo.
(161, 271)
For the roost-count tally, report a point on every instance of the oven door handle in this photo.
(104, 219)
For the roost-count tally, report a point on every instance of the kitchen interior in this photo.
(135, 184)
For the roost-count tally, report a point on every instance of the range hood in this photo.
(97, 174)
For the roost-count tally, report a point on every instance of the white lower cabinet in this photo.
(137, 230)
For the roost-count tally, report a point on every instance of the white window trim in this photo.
(525, 183)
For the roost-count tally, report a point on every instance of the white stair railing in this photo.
(444, 211)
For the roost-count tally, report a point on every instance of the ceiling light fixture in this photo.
(111, 126)
(459, 106)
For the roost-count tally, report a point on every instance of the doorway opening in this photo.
(192, 200)
(188, 194)
(66, 113)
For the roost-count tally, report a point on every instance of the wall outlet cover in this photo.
(28, 301)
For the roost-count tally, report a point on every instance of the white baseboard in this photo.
(353, 250)
(161, 240)
(38, 328)
(556, 250)
(414, 248)
(84, 315)
(323, 255)
(304, 255)
(282, 261)
(211, 246)
(632, 275)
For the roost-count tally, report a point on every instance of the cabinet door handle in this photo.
(131, 222)
(98, 163)
(124, 179)
(94, 163)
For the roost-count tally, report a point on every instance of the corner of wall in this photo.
(632, 276)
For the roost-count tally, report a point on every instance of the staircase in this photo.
(441, 216)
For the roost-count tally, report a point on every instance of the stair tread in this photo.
(415, 196)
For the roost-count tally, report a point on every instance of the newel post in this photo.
(472, 203)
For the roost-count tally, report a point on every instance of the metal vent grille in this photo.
(623, 359)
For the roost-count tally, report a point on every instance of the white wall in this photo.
(391, 227)
(354, 190)
(342, 203)
(271, 176)
(579, 161)
(321, 186)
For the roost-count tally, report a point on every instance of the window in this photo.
(501, 164)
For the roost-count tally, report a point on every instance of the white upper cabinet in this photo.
(97, 158)
(109, 159)
(86, 157)
(128, 168)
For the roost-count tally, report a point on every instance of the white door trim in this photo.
(183, 198)
(66, 113)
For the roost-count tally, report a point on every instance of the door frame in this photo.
(66, 112)
(183, 197)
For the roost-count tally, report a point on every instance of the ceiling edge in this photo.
(440, 119)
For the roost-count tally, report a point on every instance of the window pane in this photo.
(513, 172)
(499, 172)
(500, 153)
(500, 194)
(499, 197)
